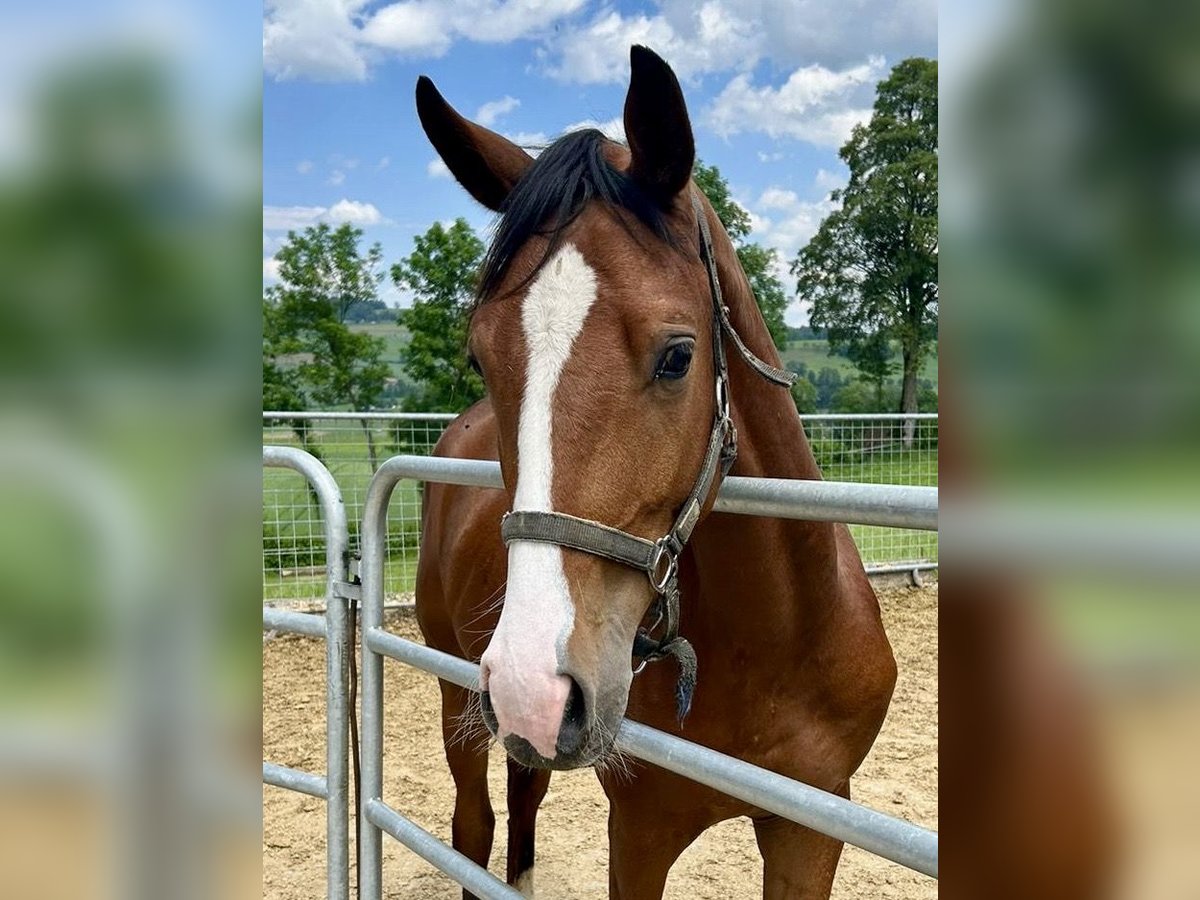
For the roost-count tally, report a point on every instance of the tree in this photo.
(826, 381)
(854, 396)
(871, 270)
(441, 273)
(310, 354)
(758, 262)
(804, 395)
(872, 356)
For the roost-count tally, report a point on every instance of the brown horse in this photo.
(596, 335)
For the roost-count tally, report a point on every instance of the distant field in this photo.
(813, 353)
(395, 338)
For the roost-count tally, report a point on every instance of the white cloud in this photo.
(270, 269)
(777, 198)
(793, 222)
(828, 181)
(714, 36)
(314, 39)
(838, 34)
(383, 163)
(304, 167)
(770, 157)
(290, 218)
(815, 104)
(533, 141)
(412, 29)
(613, 129)
(492, 111)
(336, 177)
(501, 21)
(295, 218)
(758, 224)
(437, 168)
(272, 243)
(536, 141)
(355, 212)
(736, 35)
(342, 39)
(337, 40)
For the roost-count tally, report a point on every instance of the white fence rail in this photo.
(866, 448)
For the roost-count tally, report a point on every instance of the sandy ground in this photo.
(898, 777)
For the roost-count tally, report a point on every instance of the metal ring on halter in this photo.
(641, 665)
(659, 577)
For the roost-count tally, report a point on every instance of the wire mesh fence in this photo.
(874, 448)
(351, 445)
(881, 449)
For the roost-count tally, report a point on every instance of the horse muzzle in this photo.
(577, 743)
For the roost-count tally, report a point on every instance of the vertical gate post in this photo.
(337, 638)
(373, 537)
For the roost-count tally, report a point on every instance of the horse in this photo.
(628, 369)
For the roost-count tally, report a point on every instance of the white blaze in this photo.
(520, 666)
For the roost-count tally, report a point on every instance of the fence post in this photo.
(337, 638)
(373, 541)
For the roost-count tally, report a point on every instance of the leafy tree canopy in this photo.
(441, 273)
(310, 355)
(758, 262)
(870, 272)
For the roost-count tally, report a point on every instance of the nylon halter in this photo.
(660, 559)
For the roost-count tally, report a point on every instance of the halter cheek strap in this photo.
(660, 559)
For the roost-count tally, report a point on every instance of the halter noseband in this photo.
(660, 559)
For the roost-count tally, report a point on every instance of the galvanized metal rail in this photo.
(896, 506)
(884, 835)
(334, 628)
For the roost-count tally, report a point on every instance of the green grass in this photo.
(913, 467)
(399, 577)
(293, 534)
(815, 355)
(395, 337)
(293, 527)
(878, 545)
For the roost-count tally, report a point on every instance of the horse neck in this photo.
(771, 565)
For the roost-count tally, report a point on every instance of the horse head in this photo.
(593, 330)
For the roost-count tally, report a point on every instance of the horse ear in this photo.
(657, 127)
(484, 163)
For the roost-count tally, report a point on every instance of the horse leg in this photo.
(526, 790)
(474, 823)
(643, 846)
(798, 862)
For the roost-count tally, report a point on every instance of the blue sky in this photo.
(773, 88)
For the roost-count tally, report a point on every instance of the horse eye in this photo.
(675, 361)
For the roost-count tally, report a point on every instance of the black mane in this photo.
(552, 193)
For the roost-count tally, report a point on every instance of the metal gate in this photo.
(334, 628)
(897, 840)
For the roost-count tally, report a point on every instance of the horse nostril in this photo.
(572, 733)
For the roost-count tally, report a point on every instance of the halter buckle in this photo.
(722, 397)
(663, 566)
